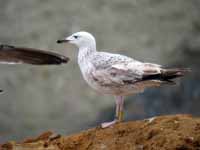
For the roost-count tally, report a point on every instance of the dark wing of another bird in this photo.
(20, 55)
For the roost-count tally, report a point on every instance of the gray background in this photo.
(57, 98)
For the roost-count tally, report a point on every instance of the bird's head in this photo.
(81, 39)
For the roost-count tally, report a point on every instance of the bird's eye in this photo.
(75, 36)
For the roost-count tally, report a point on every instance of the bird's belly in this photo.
(117, 90)
(123, 90)
(112, 90)
(91, 81)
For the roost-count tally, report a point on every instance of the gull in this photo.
(10, 54)
(116, 74)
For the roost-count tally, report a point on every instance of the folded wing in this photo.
(119, 74)
(130, 73)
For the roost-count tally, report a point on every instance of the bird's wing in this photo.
(121, 72)
(19, 55)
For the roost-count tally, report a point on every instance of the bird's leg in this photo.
(121, 108)
(118, 112)
(117, 109)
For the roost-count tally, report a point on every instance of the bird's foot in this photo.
(150, 120)
(108, 124)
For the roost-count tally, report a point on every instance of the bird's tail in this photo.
(169, 74)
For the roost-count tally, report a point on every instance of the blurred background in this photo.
(37, 99)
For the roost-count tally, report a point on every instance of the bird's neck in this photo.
(84, 59)
(85, 52)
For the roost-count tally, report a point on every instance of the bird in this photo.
(10, 54)
(117, 74)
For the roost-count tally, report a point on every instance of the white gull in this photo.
(117, 74)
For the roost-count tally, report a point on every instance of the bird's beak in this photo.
(66, 40)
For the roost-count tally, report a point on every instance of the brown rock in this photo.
(174, 132)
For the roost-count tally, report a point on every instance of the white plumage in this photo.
(117, 74)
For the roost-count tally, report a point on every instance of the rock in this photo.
(173, 132)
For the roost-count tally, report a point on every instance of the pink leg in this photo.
(121, 109)
(119, 112)
(117, 105)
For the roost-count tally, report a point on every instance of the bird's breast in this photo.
(86, 69)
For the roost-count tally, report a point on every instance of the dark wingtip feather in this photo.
(176, 72)
(2, 46)
(185, 70)
(59, 59)
(169, 74)
(9, 53)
